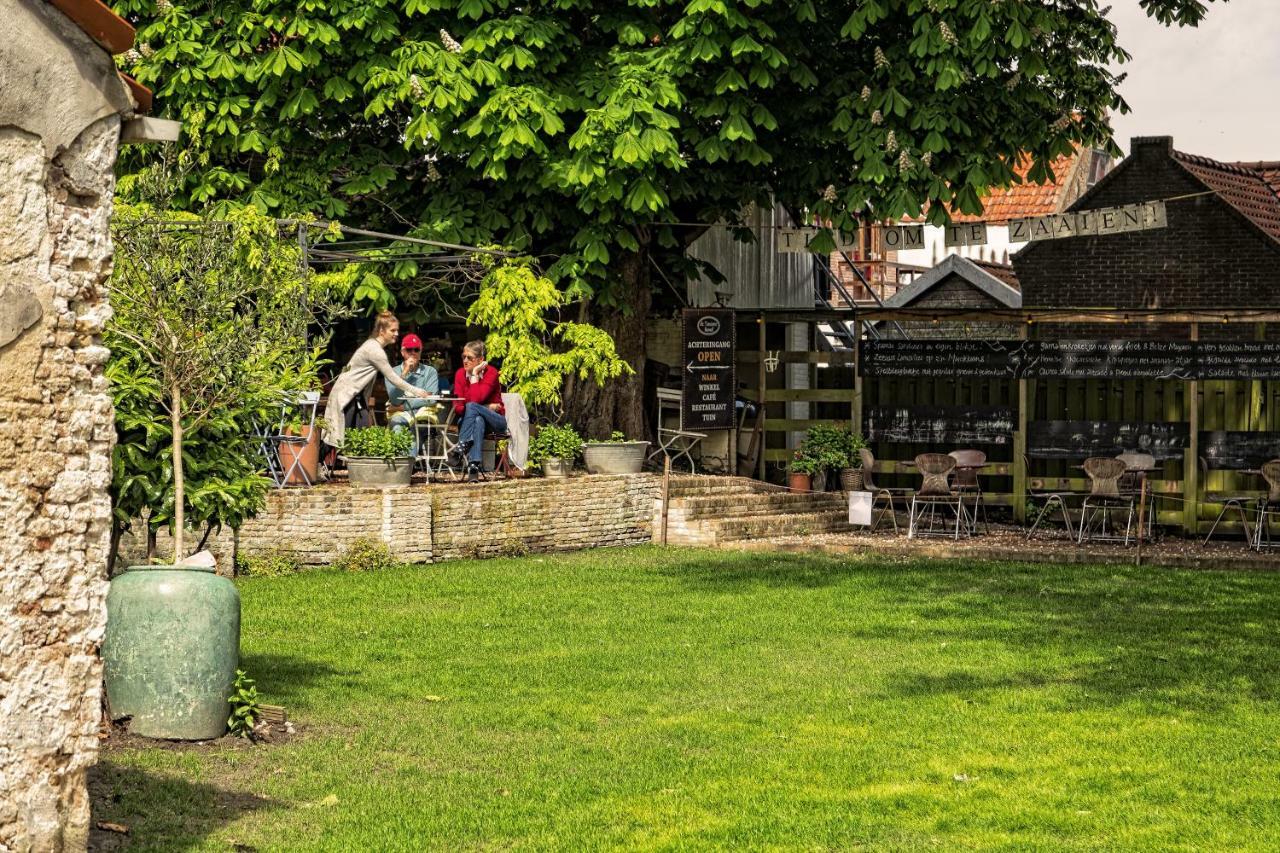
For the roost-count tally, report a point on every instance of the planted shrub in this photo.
(267, 564)
(553, 441)
(246, 709)
(366, 555)
(378, 442)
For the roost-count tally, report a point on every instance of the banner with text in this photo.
(1107, 220)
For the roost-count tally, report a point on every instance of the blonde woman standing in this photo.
(357, 378)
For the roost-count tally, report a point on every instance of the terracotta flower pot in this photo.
(800, 482)
(310, 453)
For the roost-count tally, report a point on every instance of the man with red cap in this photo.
(405, 410)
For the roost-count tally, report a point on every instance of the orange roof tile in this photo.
(1024, 199)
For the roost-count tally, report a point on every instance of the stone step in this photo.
(711, 533)
(685, 487)
(745, 505)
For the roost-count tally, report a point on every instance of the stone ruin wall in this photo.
(56, 435)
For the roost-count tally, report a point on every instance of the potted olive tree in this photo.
(554, 449)
(617, 455)
(378, 456)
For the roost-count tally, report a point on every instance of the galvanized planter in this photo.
(376, 472)
(614, 457)
(555, 467)
(171, 650)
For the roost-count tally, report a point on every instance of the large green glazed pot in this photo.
(171, 650)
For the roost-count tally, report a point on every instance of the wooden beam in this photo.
(1191, 456)
(855, 408)
(762, 399)
(1020, 447)
(1070, 315)
(833, 358)
(801, 395)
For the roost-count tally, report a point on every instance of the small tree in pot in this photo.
(378, 456)
(554, 449)
(617, 455)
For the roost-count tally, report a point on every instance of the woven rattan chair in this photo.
(1268, 506)
(965, 480)
(1103, 499)
(880, 493)
(935, 491)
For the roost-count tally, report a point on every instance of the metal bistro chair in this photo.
(1050, 497)
(1136, 465)
(1241, 502)
(301, 407)
(966, 481)
(1103, 498)
(935, 491)
(675, 443)
(1268, 506)
(880, 492)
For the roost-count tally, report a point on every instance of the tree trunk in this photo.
(597, 411)
(179, 489)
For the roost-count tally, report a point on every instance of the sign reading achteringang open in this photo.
(709, 380)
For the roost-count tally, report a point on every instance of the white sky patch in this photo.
(1214, 88)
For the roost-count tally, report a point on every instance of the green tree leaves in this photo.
(581, 129)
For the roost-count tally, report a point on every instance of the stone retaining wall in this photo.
(423, 524)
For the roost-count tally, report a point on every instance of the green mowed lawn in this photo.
(649, 698)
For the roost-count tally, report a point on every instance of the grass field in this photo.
(650, 698)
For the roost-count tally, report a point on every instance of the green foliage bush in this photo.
(267, 564)
(831, 448)
(246, 709)
(378, 442)
(516, 304)
(366, 555)
(551, 441)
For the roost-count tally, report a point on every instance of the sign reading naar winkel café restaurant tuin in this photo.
(707, 392)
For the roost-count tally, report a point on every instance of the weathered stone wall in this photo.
(423, 524)
(60, 113)
(56, 433)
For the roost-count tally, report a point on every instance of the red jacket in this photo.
(487, 390)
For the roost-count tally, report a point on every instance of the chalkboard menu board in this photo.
(1088, 359)
(1232, 450)
(1070, 359)
(941, 425)
(708, 391)
(926, 359)
(1238, 360)
(1082, 439)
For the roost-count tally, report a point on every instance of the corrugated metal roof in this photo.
(759, 277)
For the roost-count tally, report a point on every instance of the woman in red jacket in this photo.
(480, 391)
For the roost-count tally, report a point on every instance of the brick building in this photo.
(1220, 250)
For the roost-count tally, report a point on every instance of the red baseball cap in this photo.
(411, 341)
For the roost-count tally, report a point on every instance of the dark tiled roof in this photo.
(1004, 272)
(1251, 188)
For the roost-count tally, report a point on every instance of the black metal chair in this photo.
(888, 495)
(1241, 502)
(1050, 498)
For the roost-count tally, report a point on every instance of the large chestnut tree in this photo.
(591, 133)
